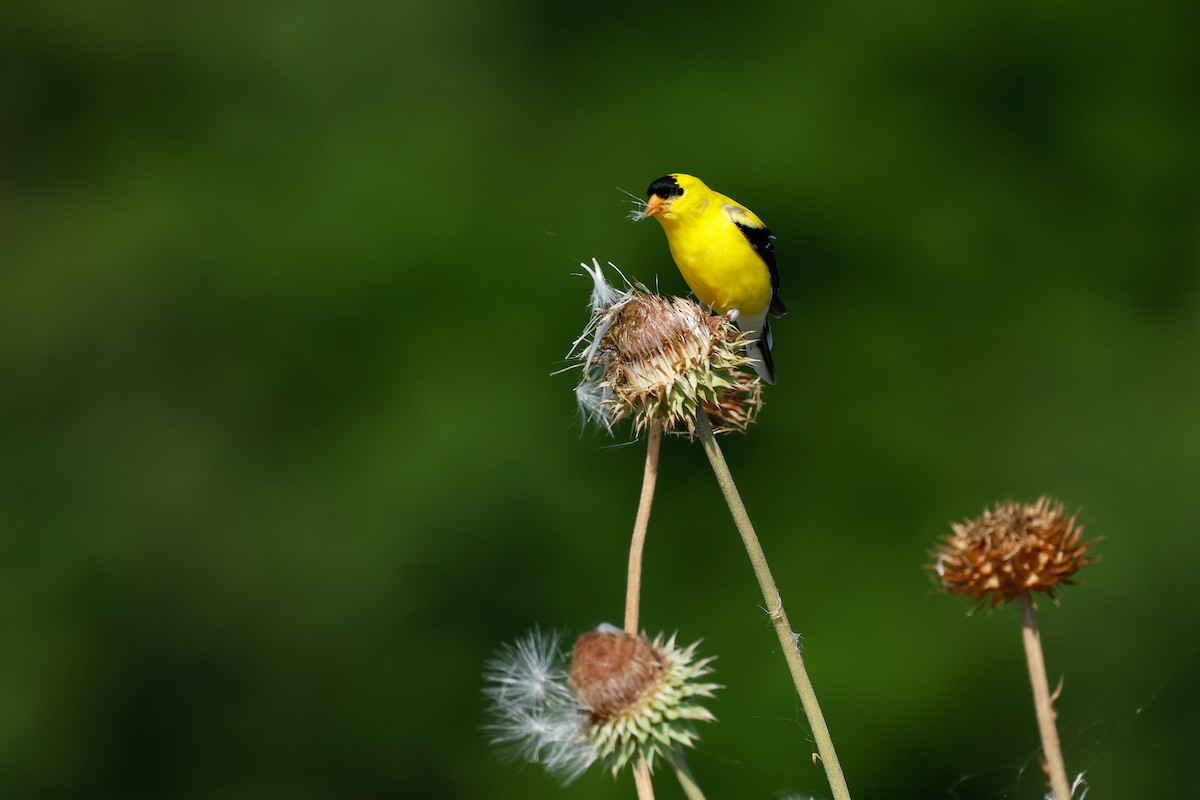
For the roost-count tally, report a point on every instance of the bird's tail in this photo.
(760, 351)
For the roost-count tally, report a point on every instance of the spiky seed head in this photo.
(608, 668)
(1009, 550)
(641, 696)
(648, 357)
(621, 698)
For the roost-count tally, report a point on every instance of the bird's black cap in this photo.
(665, 187)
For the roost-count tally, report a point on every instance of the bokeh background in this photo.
(284, 457)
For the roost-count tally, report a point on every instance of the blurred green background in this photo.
(283, 458)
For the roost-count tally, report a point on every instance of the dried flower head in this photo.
(641, 696)
(1015, 548)
(650, 357)
(622, 698)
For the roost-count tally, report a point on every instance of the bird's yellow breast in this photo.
(718, 262)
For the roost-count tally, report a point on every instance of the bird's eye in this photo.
(665, 187)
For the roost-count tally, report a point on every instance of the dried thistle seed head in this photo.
(1014, 548)
(736, 406)
(610, 670)
(641, 696)
(623, 698)
(649, 358)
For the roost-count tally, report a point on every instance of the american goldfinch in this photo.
(726, 256)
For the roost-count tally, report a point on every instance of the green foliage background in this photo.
(283, 457)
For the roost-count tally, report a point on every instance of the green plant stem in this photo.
(686, 780)
(633, 583)
(1042, 702)
(788, 640)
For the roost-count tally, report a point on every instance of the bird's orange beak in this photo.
(654, 206)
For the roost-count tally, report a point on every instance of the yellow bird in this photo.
(726, 256)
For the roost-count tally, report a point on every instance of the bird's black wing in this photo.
(760, 240)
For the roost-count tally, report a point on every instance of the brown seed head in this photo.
(650, 357)
(672, 355)
(612, 671)
(1012, 549)
(735, 406)
(640, 697)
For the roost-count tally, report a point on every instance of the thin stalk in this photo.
(641, 779)
(774, 603)
(633, 583)
(1042, 701)
(686, 780)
